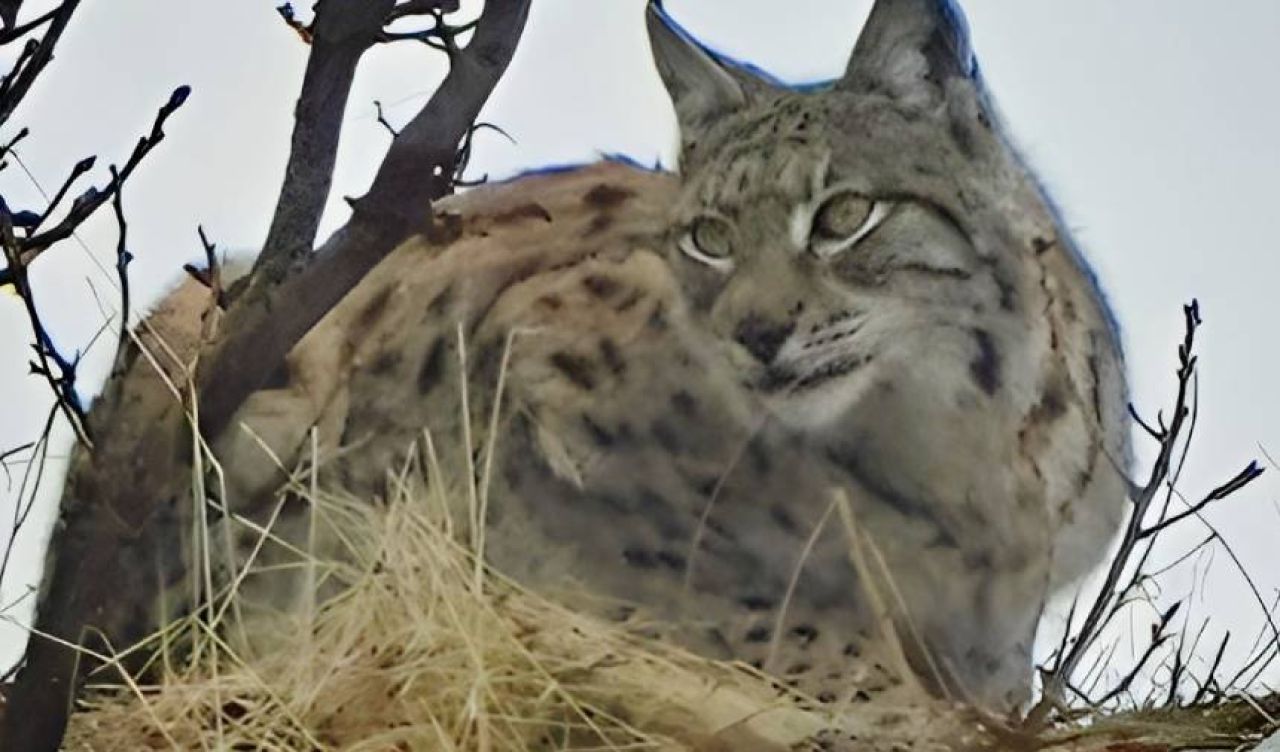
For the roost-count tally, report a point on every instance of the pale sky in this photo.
(1153, 122)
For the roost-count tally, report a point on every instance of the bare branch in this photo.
(88, 202)
(123, 257)
(79, 169)
(417, 170)
(340, 34)
(382, 119)
(12, 32)
(9, 12)
(35, 57)
(112, 518)
(59, 372)
(1159, 636)
(1163, 475)
(422, 8)
(1242, 479)
(1210, 682)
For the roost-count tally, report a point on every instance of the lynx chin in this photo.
(853, 322)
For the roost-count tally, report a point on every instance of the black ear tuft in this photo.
(910, 47)
(700, 87)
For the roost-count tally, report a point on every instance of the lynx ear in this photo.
(910, 47)
(700, 87)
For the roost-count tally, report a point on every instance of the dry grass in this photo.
(422, 649)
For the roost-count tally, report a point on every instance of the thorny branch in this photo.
(1162, 476)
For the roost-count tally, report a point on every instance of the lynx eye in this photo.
(709, 240)
(843, 220)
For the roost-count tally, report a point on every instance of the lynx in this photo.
(854, 316)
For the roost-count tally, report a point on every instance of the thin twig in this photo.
(1162, 475)
(382, 120)
(89, 201)
(123, 257)
(59, 372)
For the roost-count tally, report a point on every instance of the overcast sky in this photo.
(1154, 123)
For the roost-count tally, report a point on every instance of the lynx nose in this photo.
(762, 337)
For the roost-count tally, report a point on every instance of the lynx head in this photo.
(835, 236)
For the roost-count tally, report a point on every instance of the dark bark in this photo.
(9, 12)
(342, 31)
(25, 73)
(122, 502)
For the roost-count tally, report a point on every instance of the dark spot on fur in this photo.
(1095, 374)
(705, 486)
(601, 437)
(629, 302)
(979, 560)
(385, 363)
(672, 560)
(798, 668)
(600, 285)
(1052, 405)
(756, 603)
(783, 519)
(827, 697)
(805, 634)
(758, 634)
(531, 210)
(605, 196)
(666, 436)
(761, 460)
(1008, 295)
(372, 311)
(640, 558)
(720, 530)
(612, 356)
(659, 513)
(577, 369)
(867, 477)
(851, 650)
(684, 403)
(658, 319)
(488, 359)
(985, 367)
(599, 223)
(440, 301)
(432, 367)
(616, 502)
(762, 337)
(1040, 245)
(551, 302)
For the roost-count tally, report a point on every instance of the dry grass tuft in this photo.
(422, 650)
